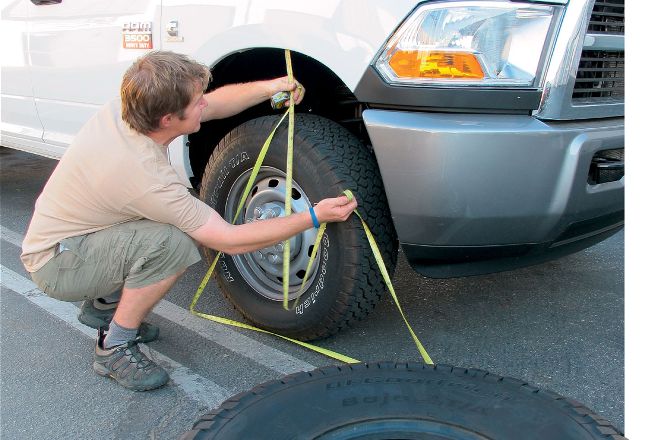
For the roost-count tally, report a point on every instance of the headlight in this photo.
(467, 43)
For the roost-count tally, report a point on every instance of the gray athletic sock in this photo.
(118, 335)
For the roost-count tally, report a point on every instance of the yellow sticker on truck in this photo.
(137, 35)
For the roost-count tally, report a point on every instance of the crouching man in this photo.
(114, 227)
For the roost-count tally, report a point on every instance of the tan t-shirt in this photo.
(110, 174)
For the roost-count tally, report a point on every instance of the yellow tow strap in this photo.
(286, 256)
(289, 177)
(209, 272)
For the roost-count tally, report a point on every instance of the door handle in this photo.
(45, 2)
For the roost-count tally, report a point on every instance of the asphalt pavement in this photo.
(559, 325)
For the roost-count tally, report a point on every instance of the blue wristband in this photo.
(314, 219)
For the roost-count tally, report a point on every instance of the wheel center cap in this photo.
(271, 257)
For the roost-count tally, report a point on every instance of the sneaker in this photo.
(128, 365)
(96, 314)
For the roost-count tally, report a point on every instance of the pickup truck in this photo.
(478, 135)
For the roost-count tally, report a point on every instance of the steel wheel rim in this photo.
(262, 269)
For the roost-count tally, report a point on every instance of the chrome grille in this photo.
(587, 82)
(600, 76)
(607, 17)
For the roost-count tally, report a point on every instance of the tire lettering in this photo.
(435, 400)
(470, 388)
(225, 269)
(233, 163)
(240, 158)
(350, 401)
(320, 284)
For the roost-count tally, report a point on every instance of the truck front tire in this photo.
(344, 283)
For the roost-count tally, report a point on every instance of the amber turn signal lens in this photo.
(435, 64)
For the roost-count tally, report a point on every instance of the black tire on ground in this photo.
(400, 401)
(344, 284)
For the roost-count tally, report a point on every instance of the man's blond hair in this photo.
(159, 83)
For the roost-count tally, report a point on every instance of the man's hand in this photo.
(337, 209)
(217, 234)
(282, 84)
(232, 99)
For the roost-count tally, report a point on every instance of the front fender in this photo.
(344, 35)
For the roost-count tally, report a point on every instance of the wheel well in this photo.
(326, 95)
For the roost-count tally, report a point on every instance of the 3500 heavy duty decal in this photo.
(137, 35)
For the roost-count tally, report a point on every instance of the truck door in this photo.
(79, 50)
(21, 127)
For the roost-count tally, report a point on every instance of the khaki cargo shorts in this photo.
(133, 254)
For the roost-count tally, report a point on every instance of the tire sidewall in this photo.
(238, 156)
(441, 401)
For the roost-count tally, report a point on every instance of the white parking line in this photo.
(232, 340)
(196, 387)
(11, 237)
(223, 336)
